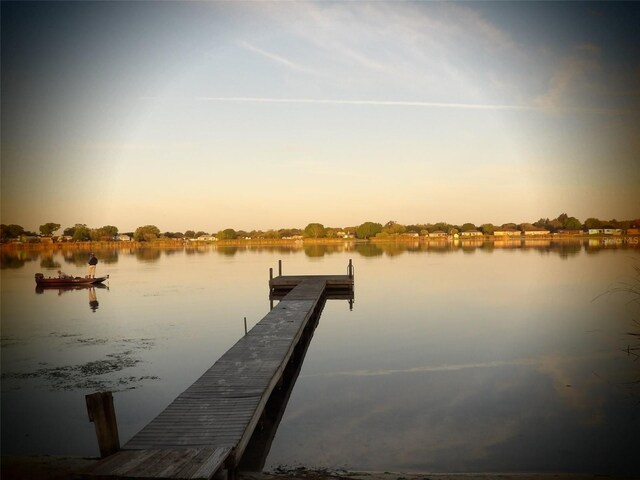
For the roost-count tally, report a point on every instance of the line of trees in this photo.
(392, 228)
(147, 233)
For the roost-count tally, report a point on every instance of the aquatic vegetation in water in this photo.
(6, 341)
(86, 376)
(92, 341)
(64, 335)
(101, 374)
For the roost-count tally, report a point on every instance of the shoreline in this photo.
(51, 467)
(485, 239)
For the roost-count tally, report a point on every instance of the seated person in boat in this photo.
(61, 274)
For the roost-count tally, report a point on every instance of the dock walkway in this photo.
(208, 426)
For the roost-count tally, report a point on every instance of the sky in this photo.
(260, 115)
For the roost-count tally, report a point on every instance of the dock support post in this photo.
(102, 413)
(350, 269)
(280, 267)
(270, 273)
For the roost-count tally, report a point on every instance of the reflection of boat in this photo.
(67, 288)
(41, 281)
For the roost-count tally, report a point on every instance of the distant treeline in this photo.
(147, 233)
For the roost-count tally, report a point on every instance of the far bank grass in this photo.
(174, 243)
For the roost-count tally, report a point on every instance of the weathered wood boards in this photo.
(331, 281)
(210, 424)
(162, 463)
(222, 407)
(336, 286)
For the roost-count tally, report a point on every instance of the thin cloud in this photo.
(569, 77)
(276, 58)
(378, 103)
(538, 107)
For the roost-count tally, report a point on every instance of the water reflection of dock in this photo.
(213, 423)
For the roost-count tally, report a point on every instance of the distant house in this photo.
(536, 233)
(438, 234)
(206, 238)
(506, 233)
(29, 239)
(613, 231)
(471, 233)
(410, 235)
(123, 238)
(596, 231)
(569, 232)
(633, 231)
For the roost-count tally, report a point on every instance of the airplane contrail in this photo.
(383, 103)
(420, 104)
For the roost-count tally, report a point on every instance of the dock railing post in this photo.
(350, 269)
(245, 325)
(102, 413)
(270, 285)
(280, 267)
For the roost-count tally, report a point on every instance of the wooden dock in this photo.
(207, 427)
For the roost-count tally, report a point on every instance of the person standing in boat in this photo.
(93, 261)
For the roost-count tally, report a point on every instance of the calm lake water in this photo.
(465, 357)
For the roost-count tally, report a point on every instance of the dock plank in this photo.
(261, 356)
(161, 463)
(210, 423)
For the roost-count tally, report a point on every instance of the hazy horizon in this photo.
(247, 115)
(250, 229)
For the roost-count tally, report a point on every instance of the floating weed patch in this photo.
(130, 383)
(140, 343)
(101, 374)
(82, 377)
(6, 342)
(64, 335)
(92, 341)
(109, 365)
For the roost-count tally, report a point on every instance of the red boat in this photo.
(41, 281)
